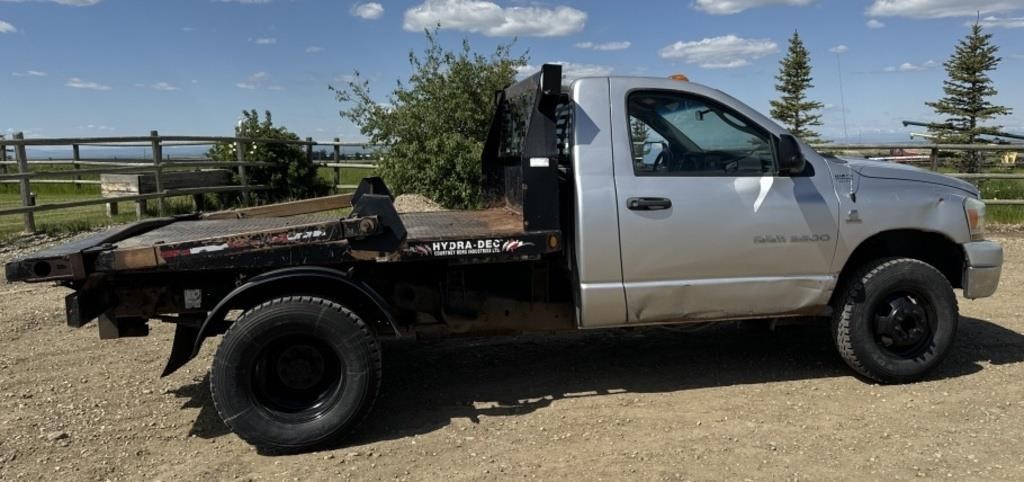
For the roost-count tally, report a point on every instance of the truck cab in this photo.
(714, 222)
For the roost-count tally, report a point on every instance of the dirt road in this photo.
(715, 405)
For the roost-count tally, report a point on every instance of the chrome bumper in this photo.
(984, 265)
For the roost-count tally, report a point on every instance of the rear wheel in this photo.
(295, 373)
(896, 320)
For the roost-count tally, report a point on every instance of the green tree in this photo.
(968, 89)
(288, 173)
(432, 129)
(793, 109)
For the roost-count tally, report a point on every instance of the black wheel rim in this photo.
(296, 376)
(904, 324)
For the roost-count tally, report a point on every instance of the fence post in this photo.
(3, 155)
(243, 176)
(337, 169)
(158, 154)
(309, 150)
(75, 157)
(935, 159)
(26, 193)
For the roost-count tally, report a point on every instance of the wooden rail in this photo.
(17, 168)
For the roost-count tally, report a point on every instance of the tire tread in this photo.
(844, 316)
(371, 342)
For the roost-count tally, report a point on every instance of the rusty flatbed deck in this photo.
(210, 244)
(428, 226)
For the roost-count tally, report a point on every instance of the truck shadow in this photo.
(427, 385)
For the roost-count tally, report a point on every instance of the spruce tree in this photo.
(793, 109)
(968, 90)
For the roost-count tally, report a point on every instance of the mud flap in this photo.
(181, 348)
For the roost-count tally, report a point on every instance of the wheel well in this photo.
(324, 283)
(360, 299)
(932, 248)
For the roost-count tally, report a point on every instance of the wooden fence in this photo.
(157, 164)
(28, 171)
(934, 161)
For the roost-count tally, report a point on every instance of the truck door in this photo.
(708, 228)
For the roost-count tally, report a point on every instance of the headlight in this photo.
(975, 210)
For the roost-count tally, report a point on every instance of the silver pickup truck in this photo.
(614, 202)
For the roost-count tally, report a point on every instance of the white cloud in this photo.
(6, 27)
(264, 41)
(259, 80)
(78, 83)
(368, 11)
(724, 52)
(246, 2)
(604, 46)
(570, 70)
(188, 29)
(941, 8)
(73, 3)
(729, 7)
(30, 73)
(911, 67)
(1001, 22)
(839, 49)
(493, 20)
(874, 24)
(163, 86)
(312, 49)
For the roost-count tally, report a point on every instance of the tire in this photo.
(896, 320)
(295, 373)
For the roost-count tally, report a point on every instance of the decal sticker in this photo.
(208, 249)
(469, 247)
(193, 299)
(257, 241)
(796, 238)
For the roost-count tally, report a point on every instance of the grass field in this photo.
(88, 217)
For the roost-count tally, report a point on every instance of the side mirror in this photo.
(791, 158)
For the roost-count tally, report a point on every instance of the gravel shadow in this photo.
(428, 384)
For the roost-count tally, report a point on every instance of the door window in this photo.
(678, 135)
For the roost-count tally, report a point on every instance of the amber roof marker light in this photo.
(679, 77)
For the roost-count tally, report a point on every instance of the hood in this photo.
(892, 170)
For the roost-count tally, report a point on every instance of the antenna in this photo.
(842, 97)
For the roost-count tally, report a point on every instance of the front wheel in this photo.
(295, 373)
(896, 321)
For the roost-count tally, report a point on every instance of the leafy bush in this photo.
(433, 127)
(289, 173)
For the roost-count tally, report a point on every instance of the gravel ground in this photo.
(714, 405)
(416, 203)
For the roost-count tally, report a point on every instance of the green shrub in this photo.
(433, 127)
(289, 175)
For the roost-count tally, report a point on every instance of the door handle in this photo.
(648, 203)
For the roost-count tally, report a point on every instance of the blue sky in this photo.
(124, 67)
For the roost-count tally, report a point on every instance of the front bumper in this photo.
(984, 265)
